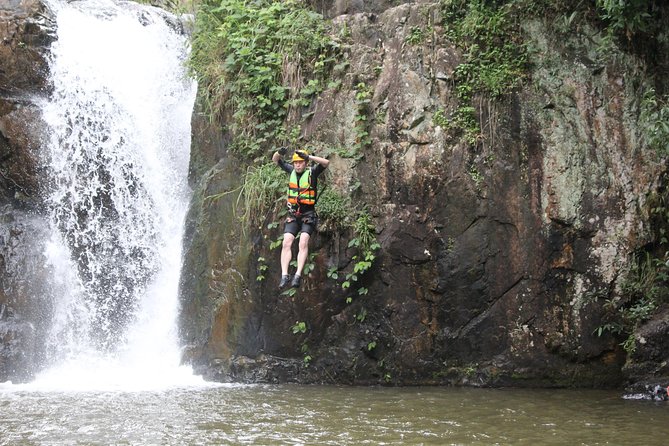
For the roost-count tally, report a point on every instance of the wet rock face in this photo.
(648, 363)
(20, 136)
(25, 36)
(24, 44)
(17, 342)
(495, 259)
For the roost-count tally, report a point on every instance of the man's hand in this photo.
(302, 155)
(282, 151)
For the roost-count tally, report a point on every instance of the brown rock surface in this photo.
(490, 255)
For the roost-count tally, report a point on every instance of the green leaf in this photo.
(299, 327)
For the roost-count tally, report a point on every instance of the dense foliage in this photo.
(258, 64)
(626, 15)
(495, 55)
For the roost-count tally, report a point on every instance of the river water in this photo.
(326, 415)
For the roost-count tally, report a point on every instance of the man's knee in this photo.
(304, 241)
(288, 241)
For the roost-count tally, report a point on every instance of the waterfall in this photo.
(117, 163)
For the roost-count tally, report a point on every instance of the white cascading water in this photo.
(118, 159)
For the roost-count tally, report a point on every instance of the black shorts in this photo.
(302, 223)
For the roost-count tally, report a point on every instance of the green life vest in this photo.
(301, 192)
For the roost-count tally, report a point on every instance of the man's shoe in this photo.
(284, 281)
(296, 282)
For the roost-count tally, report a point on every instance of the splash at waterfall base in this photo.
(496, 261)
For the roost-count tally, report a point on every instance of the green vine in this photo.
(262, 267)
(363, 97)
(300, 328)
(364, 239)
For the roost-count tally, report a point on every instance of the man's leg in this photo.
(286, 252)
(302, 255)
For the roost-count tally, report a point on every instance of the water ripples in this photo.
(314, 415)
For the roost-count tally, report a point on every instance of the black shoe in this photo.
(296, 282)
(284, 281)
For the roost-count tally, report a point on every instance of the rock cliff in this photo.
(499, 259)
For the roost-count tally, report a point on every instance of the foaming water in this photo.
(102, 374)
(117, 164)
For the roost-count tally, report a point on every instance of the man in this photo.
(302, 187)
